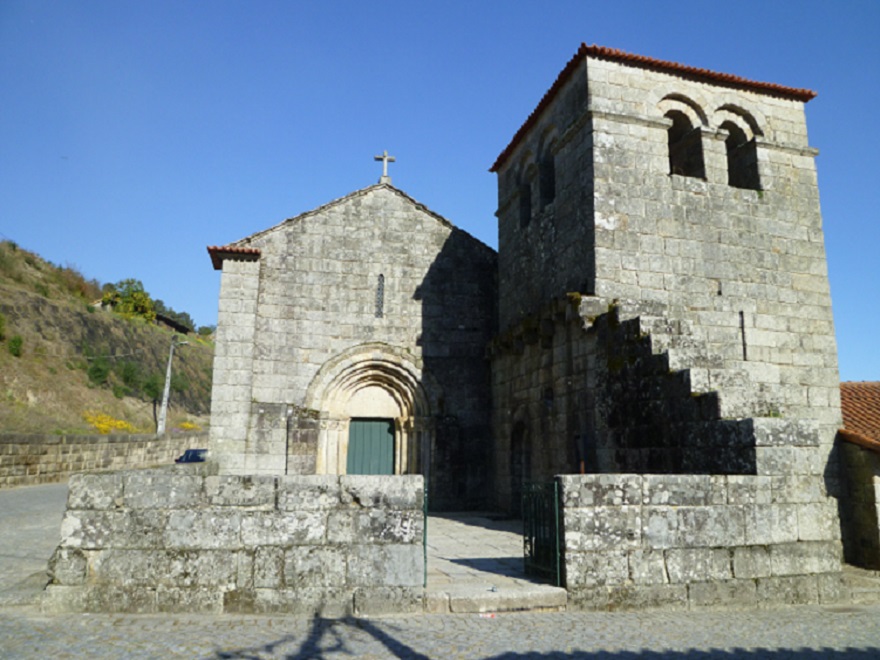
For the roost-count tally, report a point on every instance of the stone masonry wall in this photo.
(36, 459)
(186, 541)
(860, 505)
(373, 275)
(742, 269)
(689, 541)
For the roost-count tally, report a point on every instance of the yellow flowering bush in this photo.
(105, 424)
(189, 426)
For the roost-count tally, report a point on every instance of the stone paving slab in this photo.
(475, 564)
(793, 632)
(30, 530)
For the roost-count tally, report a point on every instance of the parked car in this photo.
(192, 456)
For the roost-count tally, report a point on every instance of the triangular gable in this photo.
(241, 249)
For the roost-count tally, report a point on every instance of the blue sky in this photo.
(134, 134)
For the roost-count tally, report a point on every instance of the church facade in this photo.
(658, 304)
(352, 339)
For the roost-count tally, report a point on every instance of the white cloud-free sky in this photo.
(134, 134)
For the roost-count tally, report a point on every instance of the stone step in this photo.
(711, 380)
(472, 599)
(862, 584)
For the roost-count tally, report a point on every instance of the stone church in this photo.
(658, 304)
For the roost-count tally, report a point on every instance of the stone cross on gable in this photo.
(385, 158)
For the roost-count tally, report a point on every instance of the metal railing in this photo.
(541, 537)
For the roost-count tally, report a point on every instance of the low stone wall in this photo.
(26, 460)
(689, 541)
(187, 541)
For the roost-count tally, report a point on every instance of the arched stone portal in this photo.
(374, 381)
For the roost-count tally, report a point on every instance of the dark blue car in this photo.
(192, 456)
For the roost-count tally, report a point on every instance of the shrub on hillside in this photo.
(15, 344)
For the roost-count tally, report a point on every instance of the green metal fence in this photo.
(541, 537)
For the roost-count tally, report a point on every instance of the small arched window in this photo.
(547, 179)
(685, 146)
(525, 203)
(380, 297)
(742, 158)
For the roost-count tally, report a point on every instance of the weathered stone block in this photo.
(666, 597)
(68, 566)
(195, 600)
(766, 524)
(683, 490)
(805, 558)
(380, 601)
(308, 493)
(647, 567)
(268, 567)
(602, 528)
(154, 489)
(205, 529)
(789, 590)
(751, 561)
(698, 564)
(94, 491)
(592, 569)
(600, 490)
(748, 490)
(723, 594)
(396, 492)
(321, 566)
(283, 528)
(389, 565)
(241, 491)
(818, 521)
(305, 602)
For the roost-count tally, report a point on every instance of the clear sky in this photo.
(134, 134)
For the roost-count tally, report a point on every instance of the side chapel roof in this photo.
(243, 250)
(860, 404)
(681, 70)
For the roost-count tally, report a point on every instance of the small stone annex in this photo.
(654, 335)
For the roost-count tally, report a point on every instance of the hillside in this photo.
(61, 358)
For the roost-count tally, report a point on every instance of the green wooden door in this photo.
(371, 446)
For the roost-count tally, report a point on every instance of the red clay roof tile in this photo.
(689, 72)
(860, 404)
(220, 252)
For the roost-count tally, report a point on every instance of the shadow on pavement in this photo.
(326, 639)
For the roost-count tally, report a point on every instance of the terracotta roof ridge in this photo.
(859, 439)
(616, 55)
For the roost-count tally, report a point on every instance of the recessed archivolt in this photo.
(739, 116)
(370, 366)
(686, 105)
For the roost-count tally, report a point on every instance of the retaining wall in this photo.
(36, 459)
(688, 541)
(187, 541)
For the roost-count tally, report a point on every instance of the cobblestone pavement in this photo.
(795, 632)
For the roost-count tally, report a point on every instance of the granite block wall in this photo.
(688, 541)
(371, 306)
(156, 541)
(36, 459)
(860, 505)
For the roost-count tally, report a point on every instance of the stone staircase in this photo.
(708, 372)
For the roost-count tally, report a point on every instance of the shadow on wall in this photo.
(459, 300)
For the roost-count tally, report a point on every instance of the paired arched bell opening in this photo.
(375, 413)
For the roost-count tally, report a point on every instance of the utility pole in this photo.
(163, 411)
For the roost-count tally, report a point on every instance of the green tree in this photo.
(130, 299)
